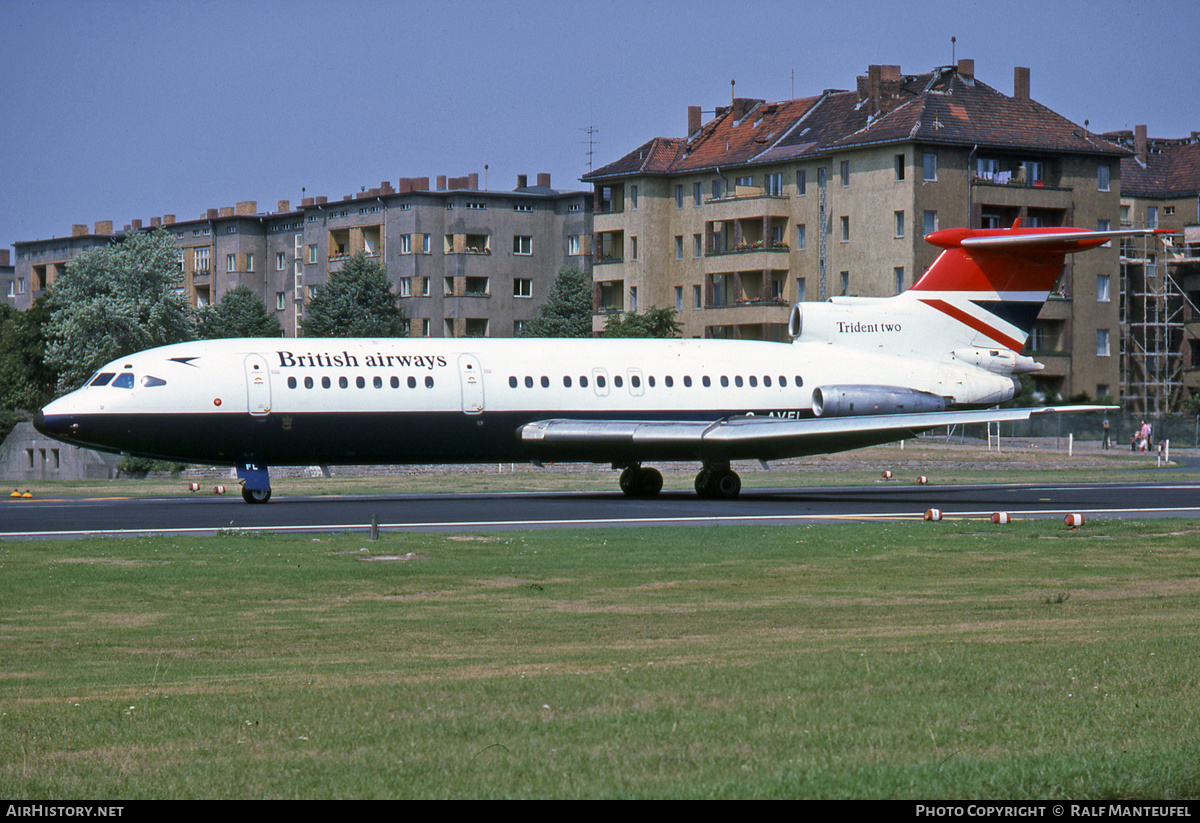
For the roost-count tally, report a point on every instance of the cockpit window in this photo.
(149, 380)
(102, 379)
(124, 381)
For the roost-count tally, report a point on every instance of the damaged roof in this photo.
(945, 106)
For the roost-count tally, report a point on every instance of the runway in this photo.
(60, 517)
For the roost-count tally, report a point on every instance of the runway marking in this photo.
(596, 522)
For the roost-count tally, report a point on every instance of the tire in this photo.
(256, 495)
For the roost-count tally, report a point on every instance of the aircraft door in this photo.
(258, 386)
(471, 377)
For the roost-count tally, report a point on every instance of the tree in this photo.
(241, 313)
(116, 300)
(655, 322)
(356, 301)
(567, 311)
(27, 382)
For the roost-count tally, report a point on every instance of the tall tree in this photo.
(116, 300)
(241, 313)
(26, 382)
(567, 311)
(655, 322)
(356, 301)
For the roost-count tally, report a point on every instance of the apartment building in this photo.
(1160, 276)
(465, 261)
(765, 204)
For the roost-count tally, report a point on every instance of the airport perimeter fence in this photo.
(1183, 430)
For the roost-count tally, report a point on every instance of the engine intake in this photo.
(851, 401)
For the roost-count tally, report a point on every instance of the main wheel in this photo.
(639, 482)
(256, 495)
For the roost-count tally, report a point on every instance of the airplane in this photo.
(858, 372)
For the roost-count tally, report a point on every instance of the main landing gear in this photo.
(712, 483)
(718, 483)
(256, 482)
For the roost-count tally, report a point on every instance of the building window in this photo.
(899, 168)
(845, 173)
(573, 245)
(801, 182)
(800, 289)
(231, 262)
(405, 287)
(633, 298)
(1102, 288)
(1102, 176)
(775, 184)
(522, 244)
(900, 223)
(1102, 343)
(633, 193)
(406, 244)
(716, 189)
(697, 246)
(697, 297)
(679, 196)
(522, 287)
(697, 194)
(845, 228)
(679, 298)
(801, 236)
(930, 165)
(279, 301)
(1152, 217)
(931, 222)
(898, 276)
(312, 253)
(679, 247)
(747, 181)
(280, 261)
(633, 248)
(845, 277)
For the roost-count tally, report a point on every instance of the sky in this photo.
(132, 109)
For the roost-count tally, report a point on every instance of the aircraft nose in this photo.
(39, 422)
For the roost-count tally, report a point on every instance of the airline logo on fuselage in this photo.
(325, 360)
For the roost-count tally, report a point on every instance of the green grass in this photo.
(944, 463)
(918, 660)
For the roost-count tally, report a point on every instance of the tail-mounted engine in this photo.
(851, 401)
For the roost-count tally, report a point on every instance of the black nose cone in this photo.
(39, 421)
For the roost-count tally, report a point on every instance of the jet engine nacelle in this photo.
(850, 401)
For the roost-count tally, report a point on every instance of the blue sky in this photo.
(125, 109)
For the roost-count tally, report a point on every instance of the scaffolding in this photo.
(1154, 312)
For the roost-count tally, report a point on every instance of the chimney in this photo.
(247, 207)
(4, 257)
(79, 230)
(441, 182)
(155, 222)
(473, 180)
(103, 227)
(544, 179)
(1021, 83)
(694, 118)
(966, 67)
(168, 219)
(522, 181)
(1139, 144)
(137, 225)
(282, 206)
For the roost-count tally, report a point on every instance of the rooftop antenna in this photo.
(732, 93)
(952, 61)
(590, 131)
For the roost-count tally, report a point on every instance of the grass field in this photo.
(919, 660)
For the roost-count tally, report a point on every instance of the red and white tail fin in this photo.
(994, 281)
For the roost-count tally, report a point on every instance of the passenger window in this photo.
(343, 382)
(687, 381)
(528, 382)
(291, 382)
(149, 381)
(308, 384)
(669, 380)
(706, 381)
(124, 381)
(324, 382)
(753, 381)
(782, 382)
(103, 378)
(737, 381)
(724, 382)
(429, 382)
(767, 380)
(395, 382)
(512, 382)
(600, 380)
(379, 382)
(583, 381)
(545, 382)
(799, 382)
(567, 381)
(412, 382)
(362, 384)
(618, 382)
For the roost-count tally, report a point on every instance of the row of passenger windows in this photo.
(635, 381)
(359, 382)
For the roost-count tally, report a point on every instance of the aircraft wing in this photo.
(744, 437)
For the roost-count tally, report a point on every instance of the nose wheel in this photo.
(256, 482)
(256, 495)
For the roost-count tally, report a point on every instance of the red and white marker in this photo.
(1073, 521)
(218, 489)
(922, 480)
(887, 474)
(999, 518)
(193, 487)
(933, 514)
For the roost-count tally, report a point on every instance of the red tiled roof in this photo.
(1172, 169)
(943, 106)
